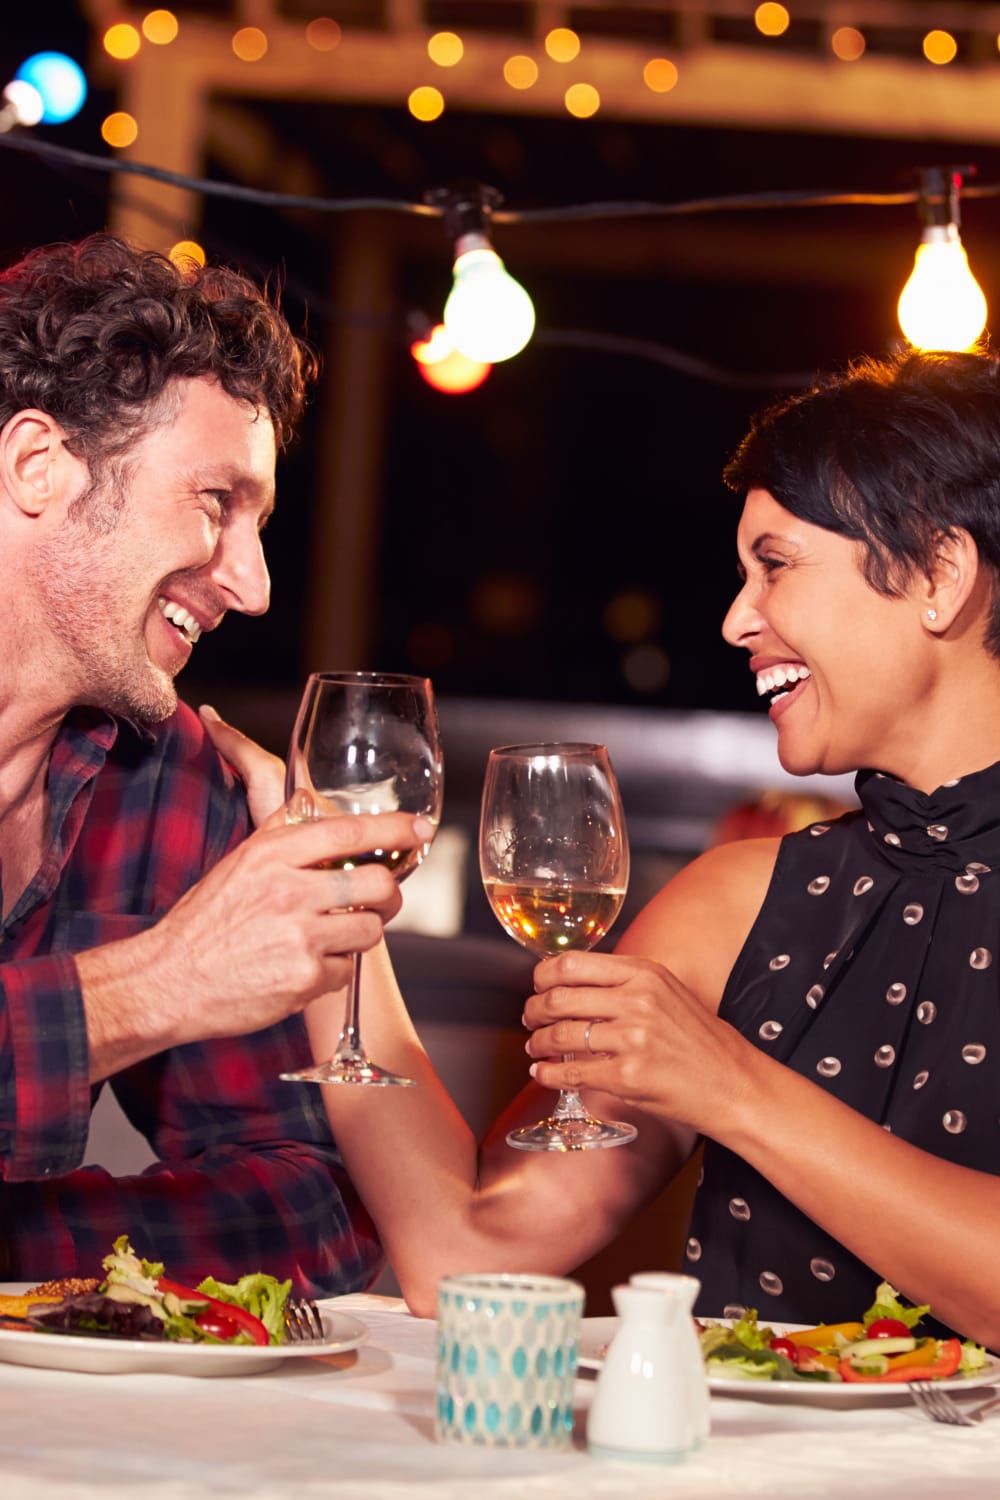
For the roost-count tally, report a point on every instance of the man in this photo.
(146, 938)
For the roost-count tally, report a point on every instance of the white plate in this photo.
(596, 1334)
(97, 1356)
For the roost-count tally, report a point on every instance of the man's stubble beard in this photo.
(81, 584)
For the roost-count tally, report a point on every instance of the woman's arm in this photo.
(442, 1203)
(930, 1227)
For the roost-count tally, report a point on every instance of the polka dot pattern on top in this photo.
(871, 970)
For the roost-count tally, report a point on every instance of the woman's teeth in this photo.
(179, 617)
(776, 682)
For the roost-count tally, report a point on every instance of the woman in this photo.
(824, 1010)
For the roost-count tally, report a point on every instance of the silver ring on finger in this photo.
(586, 1036)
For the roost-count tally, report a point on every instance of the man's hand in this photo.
(262, 773)
(270, 928)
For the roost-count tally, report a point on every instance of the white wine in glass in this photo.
(364, 742)
(554, 858)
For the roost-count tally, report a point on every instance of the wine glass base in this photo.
(572, 1134)
(359, 1072)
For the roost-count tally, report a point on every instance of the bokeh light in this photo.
(582, 100)
(160, 27)
(122, 41)
(847, 43)
(562, 45)
(771, 19)
(646, 668)
(323, 34)
(940, 47)
(26, 101)
(443, 367)
(59, 80)
(445, 48)
(660, 75)
(426, 103)
(186, 253)
(632, 615)
(119, 129)
(522, 72)
(249, 44)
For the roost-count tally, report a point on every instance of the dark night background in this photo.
(570, 511)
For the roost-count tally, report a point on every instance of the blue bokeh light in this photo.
(59, 80)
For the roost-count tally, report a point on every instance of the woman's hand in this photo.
(262, 773)
(635, 1032)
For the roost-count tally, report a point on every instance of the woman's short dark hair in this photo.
(92, 333)
(893, 453)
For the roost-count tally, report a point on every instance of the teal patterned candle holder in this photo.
(506, 1360)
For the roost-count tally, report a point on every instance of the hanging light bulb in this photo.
(942, 305)
(489, 316)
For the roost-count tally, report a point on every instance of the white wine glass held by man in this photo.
(364, 742)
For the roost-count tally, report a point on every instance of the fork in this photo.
(303, 1321)
(940, 1407)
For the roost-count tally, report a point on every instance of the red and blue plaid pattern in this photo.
(248, 1176)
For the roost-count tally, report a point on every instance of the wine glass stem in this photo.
(349, 1044)
(569, 1105)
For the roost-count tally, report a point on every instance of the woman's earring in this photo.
(932, 614)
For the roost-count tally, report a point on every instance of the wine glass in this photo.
(553, 853)
(364, 742)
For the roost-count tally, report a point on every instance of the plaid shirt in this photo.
(248, 1177)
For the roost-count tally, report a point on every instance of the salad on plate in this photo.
(883, 1347)
(135, 1300)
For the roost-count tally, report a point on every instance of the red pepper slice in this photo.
(948, 1360)
(245, 1321)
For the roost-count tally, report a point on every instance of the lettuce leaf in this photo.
(256, 1293)
(888, 1305)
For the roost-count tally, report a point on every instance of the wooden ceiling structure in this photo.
(196, 102)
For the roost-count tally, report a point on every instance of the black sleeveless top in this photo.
(873, 969)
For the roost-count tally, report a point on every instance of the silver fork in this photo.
(940, 1407)
(303, 1321)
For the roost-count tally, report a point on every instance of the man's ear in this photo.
(947, 589)
(35, 465)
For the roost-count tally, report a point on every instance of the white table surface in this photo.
(359, 1426)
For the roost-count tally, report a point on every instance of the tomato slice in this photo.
(786, 1347)
(238, 1317)
(888, 1328)
(949, 1357)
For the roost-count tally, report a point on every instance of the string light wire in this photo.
(686, 364)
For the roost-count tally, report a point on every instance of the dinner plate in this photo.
(596, 1334)
(101, 1356)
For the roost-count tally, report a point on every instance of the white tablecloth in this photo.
(359, 1426)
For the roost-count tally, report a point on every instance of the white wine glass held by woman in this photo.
(554, 858)
(364, 742)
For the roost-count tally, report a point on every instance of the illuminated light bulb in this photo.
(160, 27)
(122, 41)
(562, 45)
(847, 44)
(771, 19)
(582, 100)
(489, 316)
(426, 103)
(119, 129)
(443, 367)
(24, 105)
(940, 47)
(660, 75)
(942, 305)
(249, 44)
(323, 34)
(520, 72)
(446, 49)
(59, 80)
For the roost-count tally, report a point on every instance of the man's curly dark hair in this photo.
(92, 333)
